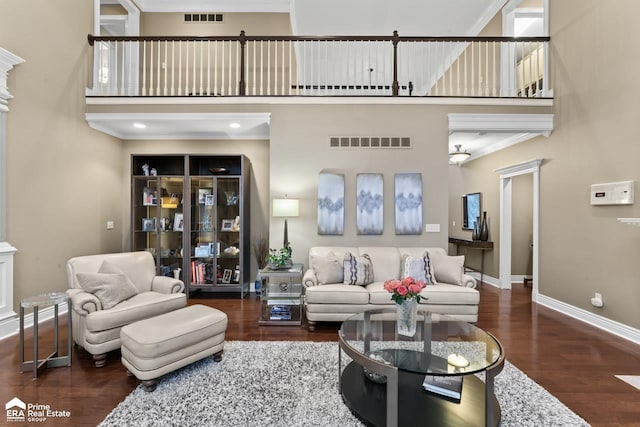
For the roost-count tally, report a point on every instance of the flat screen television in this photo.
(470, 210)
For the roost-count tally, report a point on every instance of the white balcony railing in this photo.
(320, 66)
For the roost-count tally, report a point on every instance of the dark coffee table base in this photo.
(368, 401)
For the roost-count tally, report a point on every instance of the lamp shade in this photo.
(286, 207)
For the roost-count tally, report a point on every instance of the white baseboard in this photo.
(616, 328)
(11, 326)
(488, 280)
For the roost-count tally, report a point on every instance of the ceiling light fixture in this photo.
(139, 125)
(234, 125)
(458, 156)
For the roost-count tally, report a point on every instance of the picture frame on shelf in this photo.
(148, 224)
(149, 197)
(226, 276)
(236, 276)
(178, 222)
(227, 225)
(165, 223)
(209, 200)
(202, 195)
(202, 251)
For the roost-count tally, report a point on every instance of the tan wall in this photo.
(521, 224)
(63, 179)
(300, 150)
(112, 9)
(256, 150)
(583, 248)
(254, 24)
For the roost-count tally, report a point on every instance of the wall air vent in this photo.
(216, 18)
(370, 142)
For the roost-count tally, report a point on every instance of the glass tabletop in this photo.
(44, 300)
(440, 346)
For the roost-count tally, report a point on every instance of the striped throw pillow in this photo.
(418, 268)
(358, 270)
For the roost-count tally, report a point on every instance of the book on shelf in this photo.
(449, 386)
(280, 312)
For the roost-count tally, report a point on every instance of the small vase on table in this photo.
(407, 313)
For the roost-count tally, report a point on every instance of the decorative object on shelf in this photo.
(232, 198)
(369, 203)
(330, 204)
(148, 224)
(202, 195)
(226, 277)
(145, 169)
(285, 208)
(207, 224)
(280, 259)
(475, 235)
(227, 225)
(154, 172)
(236, 224)
(406, 294)
(149, 197)
(165, 223)
(218, 171)
(232, 250)
(178, 222)
(209, 200)
(379, 356)
(176, 273)
(458, 156)
(484, 228)
(170, 202)
(408, 203)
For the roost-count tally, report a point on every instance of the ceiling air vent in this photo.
(216, 18)
(370, 142)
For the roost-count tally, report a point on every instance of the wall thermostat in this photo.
(612, 193)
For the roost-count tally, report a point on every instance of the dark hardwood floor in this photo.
(574, 361)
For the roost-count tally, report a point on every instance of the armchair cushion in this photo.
(109, 288)
(328, 268)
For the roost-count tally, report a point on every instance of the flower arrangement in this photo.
(405, 289)
(280, 258)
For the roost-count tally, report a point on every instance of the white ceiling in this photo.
(480, 144)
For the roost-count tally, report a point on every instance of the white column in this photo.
(7, 62)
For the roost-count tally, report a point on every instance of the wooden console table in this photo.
(473, 244)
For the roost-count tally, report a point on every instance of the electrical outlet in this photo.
(110, 225)
(453, 223)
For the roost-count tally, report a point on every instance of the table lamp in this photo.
(285, 208)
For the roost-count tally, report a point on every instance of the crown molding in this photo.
(534, 123)
(7, 61)
(229, 6)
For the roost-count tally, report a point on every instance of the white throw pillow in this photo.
(328, 268)
(448, 269)
(358, 270)
(110, 285)
(418, 268)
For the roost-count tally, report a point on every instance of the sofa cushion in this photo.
(386, 261)
(446, 294)
(328, 269)
(337, 294)
(448, 269)
(138, 307)
(109, 285)
(378, 295)
(358, 270)
(418, 267)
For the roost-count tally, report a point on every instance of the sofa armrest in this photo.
(167, 285)
(469, 281)
(309, 278)
(83, 302)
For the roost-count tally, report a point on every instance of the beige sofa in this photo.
(336, 301)
(97, 330)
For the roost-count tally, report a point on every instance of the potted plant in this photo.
(280, 258)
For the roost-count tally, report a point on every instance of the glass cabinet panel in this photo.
(203, 244)
(228, 221)
(145, 214)
(170, 224)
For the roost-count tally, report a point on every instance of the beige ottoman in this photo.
(159, 345)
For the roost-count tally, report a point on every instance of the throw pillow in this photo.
(110, 288)
(328, 268)
(358, 270)
(448, 269)
(418, 268)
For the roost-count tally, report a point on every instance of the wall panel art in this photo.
(369, 203)
(408, 203)
(330, 204)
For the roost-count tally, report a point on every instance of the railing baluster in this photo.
(201, 68)
(230, 70)
(282, 77)
(215, 68)
(291, 62)
(222, 69)
(494, 66)
(208, 67)
(180, 68)
(158, 92)
(194, 67)
(261, 66)
(186, 69)
(151, 62)
(268, 68)
(173, 66)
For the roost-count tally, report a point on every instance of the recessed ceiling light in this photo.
(139, 125)
(234, 125)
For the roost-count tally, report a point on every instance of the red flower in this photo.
(402, 290)
(415, 288)
(407, 288)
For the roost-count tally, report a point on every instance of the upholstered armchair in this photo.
(110, 291)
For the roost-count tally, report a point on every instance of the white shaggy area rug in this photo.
(286, 383)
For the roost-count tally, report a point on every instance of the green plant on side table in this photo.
(280, 258)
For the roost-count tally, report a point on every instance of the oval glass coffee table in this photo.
(391, 392)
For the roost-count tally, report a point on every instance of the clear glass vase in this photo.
(407, 315)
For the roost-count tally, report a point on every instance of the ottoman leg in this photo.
(150, 385)
(100, 360)
(218, 356)
(312, 325)
(129, 374)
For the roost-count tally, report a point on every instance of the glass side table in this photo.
(53, 360)
(281, 299)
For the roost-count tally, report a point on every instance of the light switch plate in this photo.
(432, 228)
(110, 225)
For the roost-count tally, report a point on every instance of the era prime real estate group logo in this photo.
(19, 412)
